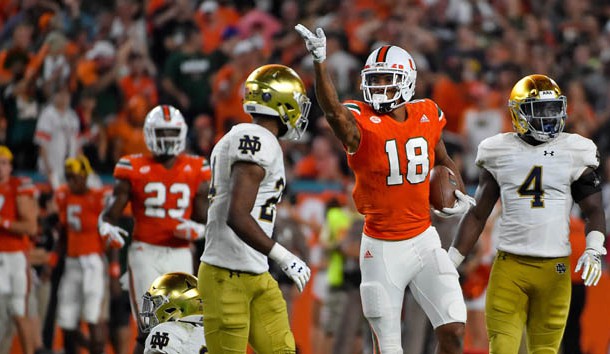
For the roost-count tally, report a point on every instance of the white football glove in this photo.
(112, 235)
(591, 259)
(189, 230)
(461, 206)
(315, 43)
(294, 267)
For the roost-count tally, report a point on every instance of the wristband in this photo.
(455, 256)
(114, 269)
(278, 252)
(595, 241)
(53, 259)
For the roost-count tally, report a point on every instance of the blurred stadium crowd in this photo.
(79, 76)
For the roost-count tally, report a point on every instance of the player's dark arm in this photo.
(443, 159)
(120, 198)
(587, 192)
(27, 216)
(341, 120)
(245, 181)
(474, 220)
(200, 204)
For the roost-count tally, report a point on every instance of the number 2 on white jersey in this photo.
(154, 205)
(418, 161)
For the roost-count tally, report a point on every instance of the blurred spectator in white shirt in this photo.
(57, 136)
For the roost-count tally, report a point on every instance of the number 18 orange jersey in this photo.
(392, 166)
(160, 196)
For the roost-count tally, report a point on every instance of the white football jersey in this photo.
(177, 337)
(250, 143)
(535, 189)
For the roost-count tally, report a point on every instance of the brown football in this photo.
(443, 184)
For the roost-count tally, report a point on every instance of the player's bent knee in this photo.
(374, 299)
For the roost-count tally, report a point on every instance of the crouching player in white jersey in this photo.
(242, 303)
(538, 172)
(171, 315)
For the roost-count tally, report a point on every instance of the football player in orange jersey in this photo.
(392, 143)
(84, 280)
(166, 191)
(18, 214)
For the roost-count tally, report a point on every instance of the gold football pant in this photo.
(241, 308)
(527, 291)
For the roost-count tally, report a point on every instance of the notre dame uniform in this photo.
(234, 281)
(530, 277)
(177, 337)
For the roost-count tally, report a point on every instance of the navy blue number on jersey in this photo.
(267, 210)
(532, 187)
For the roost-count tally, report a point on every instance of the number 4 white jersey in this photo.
(249, 143)
(535, 189)
(177, 337)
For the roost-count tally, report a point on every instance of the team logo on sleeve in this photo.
(251, 145)
(159, 340)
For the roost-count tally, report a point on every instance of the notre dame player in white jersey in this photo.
(538, 172)
(242, 303)
(172, 314)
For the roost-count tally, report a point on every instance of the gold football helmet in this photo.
(78, 165)
(537, 107)
(277, 90)
(170, 297)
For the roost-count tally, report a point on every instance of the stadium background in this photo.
(117, 59)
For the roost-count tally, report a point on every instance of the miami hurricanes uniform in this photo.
(177, 337)
(159, 197)
(14, 268)
(82, 287)
(531, 273)
(234, 281)
(391, 166)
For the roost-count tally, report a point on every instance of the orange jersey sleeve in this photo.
(79, 214)
(160, 196)
(392, 166)
(16, 186)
